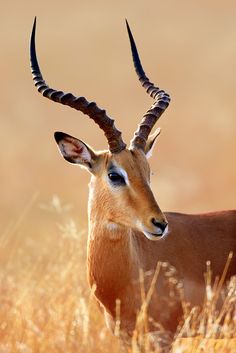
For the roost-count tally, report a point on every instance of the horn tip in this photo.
(128, 28)
(35, 21)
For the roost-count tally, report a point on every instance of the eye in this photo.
(116, 178)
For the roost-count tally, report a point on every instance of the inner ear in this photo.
(151, 142)
(74, 150)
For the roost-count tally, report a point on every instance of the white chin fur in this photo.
(156, 237)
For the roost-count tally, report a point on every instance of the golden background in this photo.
(187, 48)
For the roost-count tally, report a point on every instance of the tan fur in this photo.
(116, 253)
(122, 219)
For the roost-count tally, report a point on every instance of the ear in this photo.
(151, 142)
(75, 151)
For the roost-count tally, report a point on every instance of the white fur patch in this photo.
(139, 225)
(112, 226)
(122, 172)
(151, 236)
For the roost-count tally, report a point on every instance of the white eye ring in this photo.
(121, 174)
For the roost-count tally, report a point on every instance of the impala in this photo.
(127, 229)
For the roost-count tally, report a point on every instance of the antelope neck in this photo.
(110, 257)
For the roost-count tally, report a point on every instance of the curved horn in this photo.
(162, 100)
(113, 135)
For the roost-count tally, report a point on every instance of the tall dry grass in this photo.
(46, 305)
(187, 48)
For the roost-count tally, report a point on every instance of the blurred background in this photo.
(187, 48)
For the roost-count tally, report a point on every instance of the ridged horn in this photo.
(162, 100)
(91, 109)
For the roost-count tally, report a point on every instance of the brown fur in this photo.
(118, 248)
(116, 255)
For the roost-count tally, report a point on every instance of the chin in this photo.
(156, 236)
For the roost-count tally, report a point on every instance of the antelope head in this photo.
(120, 193)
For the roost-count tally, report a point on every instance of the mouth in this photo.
(157, 235)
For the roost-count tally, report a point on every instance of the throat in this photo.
(114, 232)
(110, 262)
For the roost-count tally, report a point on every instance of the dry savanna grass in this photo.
(46, 305)
(188, 48)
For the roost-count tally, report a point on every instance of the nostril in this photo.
(161, 225)
(154, 221)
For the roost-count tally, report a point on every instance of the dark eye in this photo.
(116, 178)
